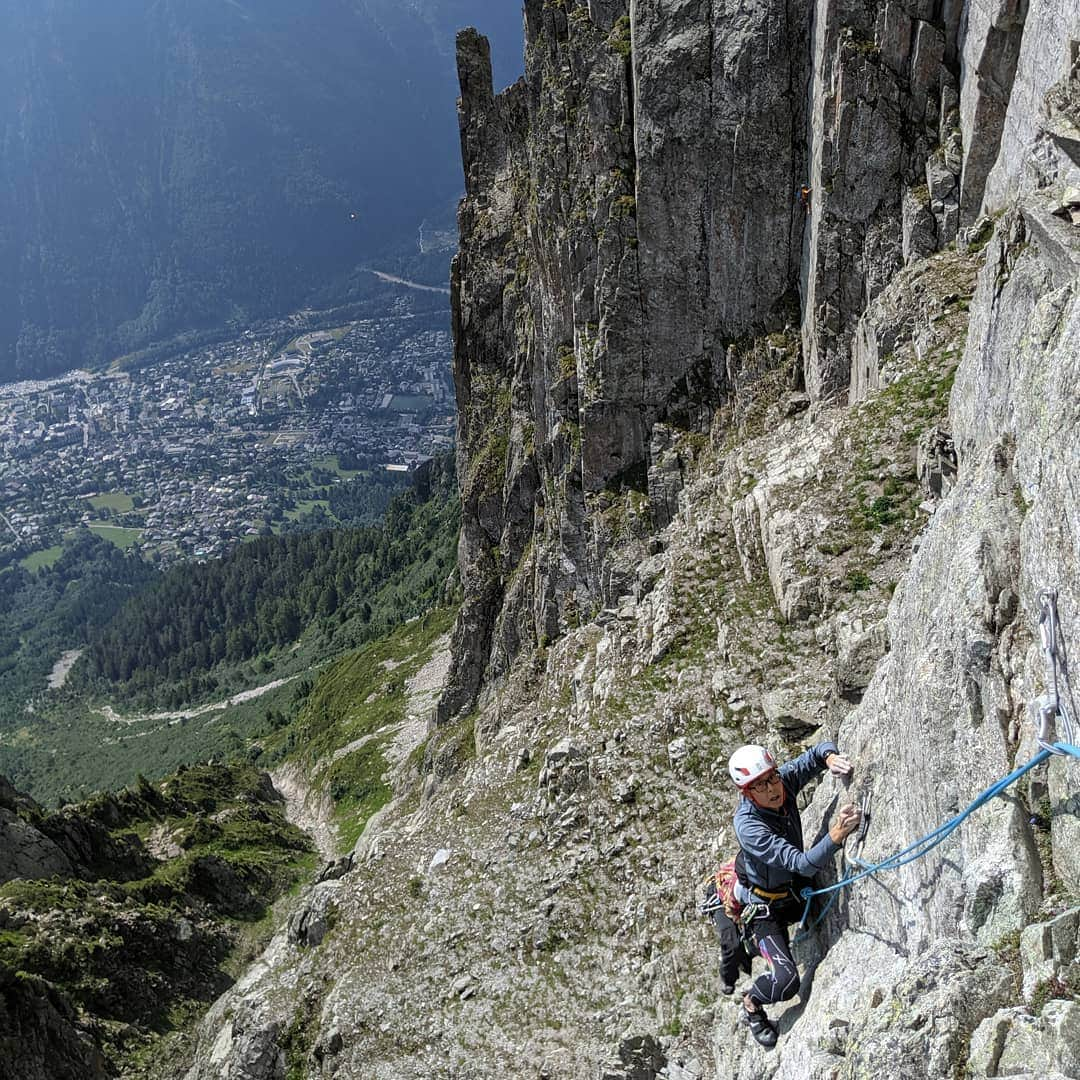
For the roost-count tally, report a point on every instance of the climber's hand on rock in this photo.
(847, 821)
(839, 765)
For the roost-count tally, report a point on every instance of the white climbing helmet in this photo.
(748, 763)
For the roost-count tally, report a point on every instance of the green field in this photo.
(305, 506)
(38, 559)
(332, 464)
(120, 501)
(411, 402)
(115, 534)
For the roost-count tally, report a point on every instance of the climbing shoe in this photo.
(727, 989)
(761, 1027)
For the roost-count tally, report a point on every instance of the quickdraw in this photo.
(1049, 707)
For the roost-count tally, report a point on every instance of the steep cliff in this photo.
(739, 461)
(667, 186)
(762, 174)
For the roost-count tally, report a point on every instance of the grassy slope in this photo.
(139, 955)
(352, 714)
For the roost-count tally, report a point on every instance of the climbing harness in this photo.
(1048, 708)
(720, 893)
(768, 896)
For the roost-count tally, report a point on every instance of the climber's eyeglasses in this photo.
(759, 787)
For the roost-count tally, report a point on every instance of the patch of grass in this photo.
(881, 512)
(673, 1027)
(115, 534)
(1049, 990)
(365, 691)
(356, 785)
(580, 17)
(487, 470)
(120, 501)
(857, 581)
(566, 362)
(298, 1039)
(305, 507)
(452, 747)
(333, 464)
(40, 559)
(849, 42)
(13, 945)
(619, 39)
(982, 237)
(834, 545)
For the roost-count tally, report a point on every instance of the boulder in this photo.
(1050, 950)
(565, 771)
(25, 852)
(639, 1058)
(40, 1036)
(311, 922)
(1014, 1042)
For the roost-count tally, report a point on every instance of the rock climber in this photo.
(774, 867)
(804, 198)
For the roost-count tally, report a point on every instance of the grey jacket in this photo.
(772, 840)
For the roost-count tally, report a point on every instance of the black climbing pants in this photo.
(733, 955)
(770, 933)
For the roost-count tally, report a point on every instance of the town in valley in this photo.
(185, 456)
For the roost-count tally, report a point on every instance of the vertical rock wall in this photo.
(884, 163)
(630, 212)
(1016, 397)
(719, 111)
(1040, 143)
(672, 181)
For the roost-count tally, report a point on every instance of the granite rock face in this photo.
(740, 462)
(40, 1035)
(1038, 140)
(599, 289)
(669, 182)
(25, 851)
(691, 175)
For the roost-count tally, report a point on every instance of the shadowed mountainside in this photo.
(186, 164)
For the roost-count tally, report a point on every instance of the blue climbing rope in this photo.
(931, 840)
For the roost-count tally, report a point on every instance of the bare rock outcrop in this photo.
(25, 851)
(40, 1035)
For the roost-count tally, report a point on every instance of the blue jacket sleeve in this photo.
(798, 773)
(758, 840)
